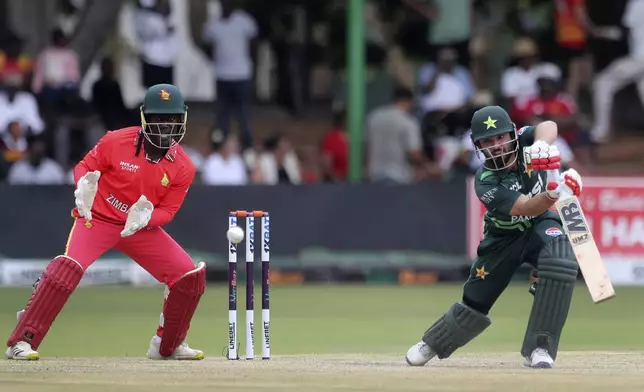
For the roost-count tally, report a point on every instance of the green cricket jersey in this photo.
(499, 190)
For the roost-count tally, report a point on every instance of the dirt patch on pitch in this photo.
(583, 371)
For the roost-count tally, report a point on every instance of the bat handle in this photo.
(555, 175)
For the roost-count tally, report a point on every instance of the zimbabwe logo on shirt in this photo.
(165, 181)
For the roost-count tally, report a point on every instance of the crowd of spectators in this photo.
(422, 133)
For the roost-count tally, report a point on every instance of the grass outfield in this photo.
(325, 338)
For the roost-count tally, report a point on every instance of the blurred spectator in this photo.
(446, 147)
(549, 103)
(225, 165)
(445, 86)
(607, 40)
(197, 156)
(277, 164)
(519, 81)
(157, 42)
(394, 143)
(107, 100)
(553, 104)
(621, 72)
(17, 105)
(13, 143)
(451, 26)
(57, 74)
(13, 60)
(571, 26)
(230, 40)
(335, 149)
(69, 13)
(448, 90)
(36, 168)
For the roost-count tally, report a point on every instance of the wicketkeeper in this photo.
(129, 185)
(519, 228)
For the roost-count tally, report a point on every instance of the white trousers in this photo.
(617, 75)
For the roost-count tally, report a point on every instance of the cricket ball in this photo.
(235, 234)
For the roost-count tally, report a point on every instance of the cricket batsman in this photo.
(519, 228)
(129, 185)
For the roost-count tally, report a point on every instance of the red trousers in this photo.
(151, 248)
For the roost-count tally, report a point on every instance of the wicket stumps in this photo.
(250, 285)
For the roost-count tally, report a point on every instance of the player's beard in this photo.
(505, 160)
(505, 157)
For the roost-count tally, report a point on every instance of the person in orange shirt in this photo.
(129, 185)
(571, 30)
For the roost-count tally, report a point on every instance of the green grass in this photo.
(119, 321)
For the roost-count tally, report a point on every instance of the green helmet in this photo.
(490, 124)
(164, 115)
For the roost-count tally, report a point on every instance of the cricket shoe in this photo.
(540, 359)
(22, 351)
(183, 352)
(419, 354)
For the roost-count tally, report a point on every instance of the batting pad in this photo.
(56, 285)
(455, 329)
(557, 272)
(180, 306)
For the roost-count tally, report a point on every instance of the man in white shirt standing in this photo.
(157, 42)
(620, 72)
(230, 40)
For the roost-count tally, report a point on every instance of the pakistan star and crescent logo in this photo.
(165, 96)
(481, 273)
(490, 123)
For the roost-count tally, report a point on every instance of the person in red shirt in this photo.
(129, 185)
(552, 104)
(335, 150)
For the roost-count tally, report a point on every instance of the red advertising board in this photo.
(614, 208)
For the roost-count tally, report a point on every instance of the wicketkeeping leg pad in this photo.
(557, 276)
(58, 282)
(180, 306)
(455, 329)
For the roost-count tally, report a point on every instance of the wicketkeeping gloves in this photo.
(138, 217)
(86, 192)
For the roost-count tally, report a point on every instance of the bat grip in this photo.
(555, 175)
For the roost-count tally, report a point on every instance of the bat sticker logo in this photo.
(573, 219)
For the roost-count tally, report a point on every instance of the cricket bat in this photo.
(583, 245)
